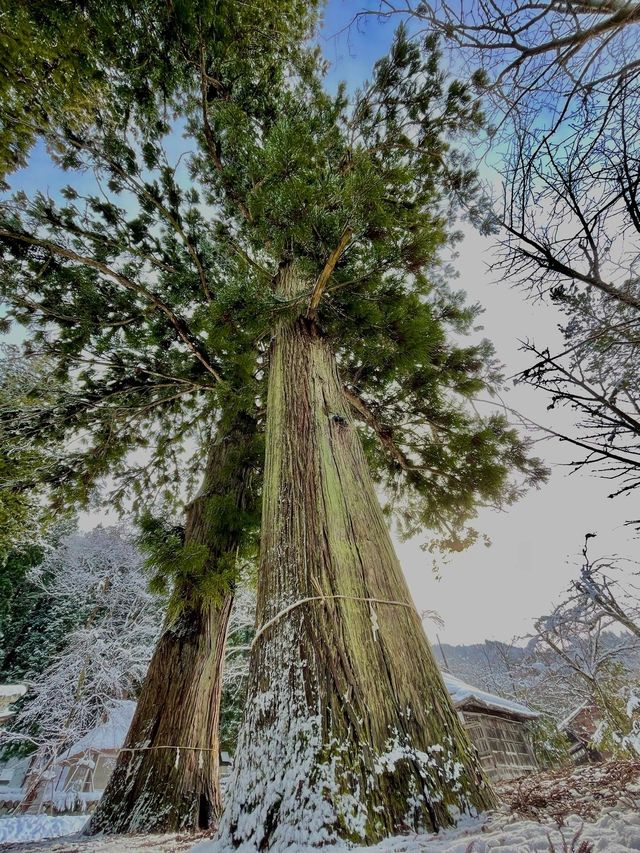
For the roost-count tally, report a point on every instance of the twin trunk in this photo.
(348, 732)
(166, 776)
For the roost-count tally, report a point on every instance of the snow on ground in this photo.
(589, 809)
(34, 827)
(614, 832)
(117, 844)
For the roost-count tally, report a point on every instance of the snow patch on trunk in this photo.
(294, 783)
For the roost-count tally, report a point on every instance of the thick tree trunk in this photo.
(156, 787)
(166, 776)
(349, 732)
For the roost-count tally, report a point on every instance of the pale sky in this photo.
(494, 592)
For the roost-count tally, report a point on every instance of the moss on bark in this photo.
(156, 787)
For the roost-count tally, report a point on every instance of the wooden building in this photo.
(580, 727)
(499, 729)
(87, 765)
(75, 781)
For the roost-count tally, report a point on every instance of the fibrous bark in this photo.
(349, 732)
(166, 776)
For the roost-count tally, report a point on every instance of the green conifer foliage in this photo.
(158, 284)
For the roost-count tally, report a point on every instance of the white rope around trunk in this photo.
(286, 610)
(280, 615)
(149, 748)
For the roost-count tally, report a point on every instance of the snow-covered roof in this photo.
(571, 717)
(12, 689)
(110, 734)
(464, 694)
(8, 695)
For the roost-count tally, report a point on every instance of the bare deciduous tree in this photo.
(550, 50)
(564, 109)
(602, 587)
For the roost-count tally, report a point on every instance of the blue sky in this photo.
(352, 47)
(495, 591)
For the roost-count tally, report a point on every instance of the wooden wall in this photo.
(502, 742)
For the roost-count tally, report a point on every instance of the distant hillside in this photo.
(524, 673)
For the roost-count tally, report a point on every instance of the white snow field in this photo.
(34, 827)
(617, 831)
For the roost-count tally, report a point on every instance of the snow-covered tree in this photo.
(240, 634)
(578, 653)
(619, 733)
(585, 661)
(99, 577)
(602, 587)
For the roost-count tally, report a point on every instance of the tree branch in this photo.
(179, 324)
(383, 433)
(327, 272)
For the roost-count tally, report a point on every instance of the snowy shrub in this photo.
(550, 745)
(618, 732)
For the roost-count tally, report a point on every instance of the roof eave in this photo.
(470, 703)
